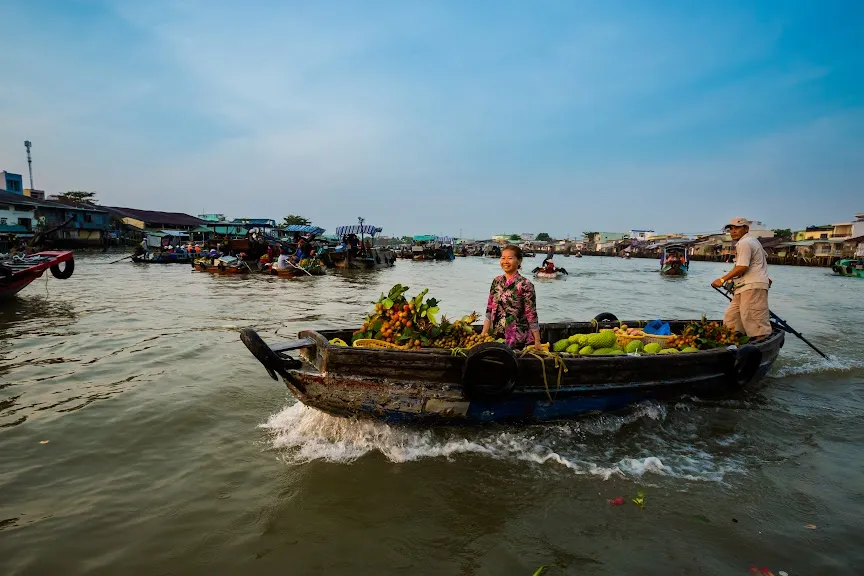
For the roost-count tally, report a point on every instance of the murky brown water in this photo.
(170, 451)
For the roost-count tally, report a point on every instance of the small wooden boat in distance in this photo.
(674, 261)
(849, 267)
(494, 383)
(224, 265)
(363, 255)
(17, 272)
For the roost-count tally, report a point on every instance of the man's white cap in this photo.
(737, 222)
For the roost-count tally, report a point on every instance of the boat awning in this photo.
(12, 229)
(358, 229)
(302, 229)
(178, 233)
(433, 238)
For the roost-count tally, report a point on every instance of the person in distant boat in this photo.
(284, 261)
(748, 310)
(511, 310)
(353, 242)
(548, 265)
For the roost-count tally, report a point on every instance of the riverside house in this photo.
(85, 225)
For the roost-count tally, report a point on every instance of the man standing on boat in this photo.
(748, 311)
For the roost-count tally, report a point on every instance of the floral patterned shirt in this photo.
(512, 310)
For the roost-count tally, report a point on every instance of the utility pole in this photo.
(27, 145)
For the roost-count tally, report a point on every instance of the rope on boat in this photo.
(560, 365)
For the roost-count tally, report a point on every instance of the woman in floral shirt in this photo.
(511, 311)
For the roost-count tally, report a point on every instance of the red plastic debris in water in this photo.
(617, 501)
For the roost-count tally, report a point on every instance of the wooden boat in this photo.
(557, 274)
(164, 258)
(366, 256)
(303, 268)
(494, 383)
(674, 261)
(16, 272)
(430, 247)
(849, 267)
(223, 265)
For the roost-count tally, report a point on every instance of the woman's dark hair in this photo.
(513, 248)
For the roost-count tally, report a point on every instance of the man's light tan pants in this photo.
(748, 313)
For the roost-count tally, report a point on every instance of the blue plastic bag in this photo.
(658, 327)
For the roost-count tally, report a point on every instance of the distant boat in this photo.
(365, 256)
(674, 261)
(849, 267)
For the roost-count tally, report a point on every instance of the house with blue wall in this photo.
(12, 182)
(84, 225)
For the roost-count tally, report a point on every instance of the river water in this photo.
(138, 436)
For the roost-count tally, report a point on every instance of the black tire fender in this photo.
(490, 372)
(66, 272)
(605, 317)
(745, 364)
(850, 270)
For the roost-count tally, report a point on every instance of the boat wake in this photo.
(817, 365)
(600, 446)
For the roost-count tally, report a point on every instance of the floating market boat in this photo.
(853, 267)
(492, 251)
(163, 258)
(306, 267)
(492, 383)
(366, 256)
(674, 261)
(17, 272)
(430, 247)
(557, 274)
(221, 265)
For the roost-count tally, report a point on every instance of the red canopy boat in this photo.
(18, 271)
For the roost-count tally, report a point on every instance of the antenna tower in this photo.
(27, 145)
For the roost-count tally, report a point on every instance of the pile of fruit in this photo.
(696, 336)
(412, 323)
(598, 343)
(704, 335)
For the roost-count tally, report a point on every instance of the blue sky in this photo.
(441, 117)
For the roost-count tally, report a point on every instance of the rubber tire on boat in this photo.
(850, 270)
(606, 317)
(746, 364)
(490, 372)
(66, 272)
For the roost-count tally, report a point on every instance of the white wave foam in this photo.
(816, 365)
(303, 434)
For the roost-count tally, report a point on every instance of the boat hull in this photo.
(673, 270)
(18, 274)
(178, 260)
(379, 258)
(427, 387)
(221, 270)
(549, 275)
